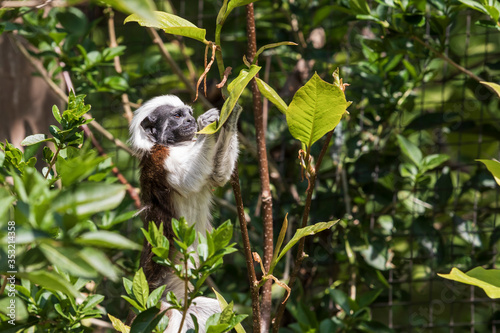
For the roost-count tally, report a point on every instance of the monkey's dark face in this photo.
(168, 125)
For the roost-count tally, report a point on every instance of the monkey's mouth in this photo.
(187, 130)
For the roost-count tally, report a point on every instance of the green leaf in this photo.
(146, 321)
(140, 287)
(118, 324)
(50, 281)
(487, 279)
(315, 110)
(341, 299)
(493, 167)
(279, 242)
(232, 5)
(141, 8)
(493, 86)
(410, 150)
(34, 139)
(116, 83)
(103, 238)
(155, 296)
(57, 37)
(271, 95)
(89, 198)
(56, 113)
(92, 301)
(134, 303)
(67, 260)
(303, 232)
(270, 46)
(171, 24)
(99, 261)
(432, 161)
(235, 89)
(223, 304)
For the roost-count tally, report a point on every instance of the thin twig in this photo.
(130, 189)
(175, 68)
(118, 67)
(300, 249)
(448, 60)
(267, 203)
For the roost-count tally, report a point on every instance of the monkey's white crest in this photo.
(139, 140)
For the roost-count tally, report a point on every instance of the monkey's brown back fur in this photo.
(157, 207)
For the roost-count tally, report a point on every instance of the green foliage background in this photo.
(401, 173)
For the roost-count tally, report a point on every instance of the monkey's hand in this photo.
(207, 118)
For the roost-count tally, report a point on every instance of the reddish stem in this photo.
(266, 197)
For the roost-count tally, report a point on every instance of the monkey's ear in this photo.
(148, 124)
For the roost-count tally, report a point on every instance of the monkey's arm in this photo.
(227, 149)
(190, 166)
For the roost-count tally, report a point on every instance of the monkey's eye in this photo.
(177, 115)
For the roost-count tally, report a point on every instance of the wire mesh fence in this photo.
(452, 224)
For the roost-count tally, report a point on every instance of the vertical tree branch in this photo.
(267, 204)
(252, 278)
(118, 67)
(235, 183)
(300, 249)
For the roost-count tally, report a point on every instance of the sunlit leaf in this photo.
(171, 24)
(487, 279)
(493, 167)
(119, 325)
(303, 232)
(271, 95)
(493, 86)
(235, 89)
(315, 110)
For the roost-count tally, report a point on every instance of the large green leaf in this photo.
(67, 260)
(89, 198)
(235, 88)
(171, 24)
(487, 279)
(140, 287)
(315, 110)
(146, 321)
(303, 232)
(271, 95)
(108, 239)
(493, 167)
(50, 281)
